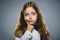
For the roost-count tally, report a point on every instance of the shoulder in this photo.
(35, 32)
(35, 35)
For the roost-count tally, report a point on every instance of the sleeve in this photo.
(26, 36)
(36, 36)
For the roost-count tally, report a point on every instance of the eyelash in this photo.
(28, 14)
(33, 13)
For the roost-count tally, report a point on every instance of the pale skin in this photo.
(30, 16)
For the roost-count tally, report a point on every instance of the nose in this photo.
(30, 17)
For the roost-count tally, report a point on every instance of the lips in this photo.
(29, 20)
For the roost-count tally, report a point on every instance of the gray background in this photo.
(9, 12)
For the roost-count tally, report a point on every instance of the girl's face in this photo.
(30, 15)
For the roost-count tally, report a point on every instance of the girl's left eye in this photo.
(33, 13)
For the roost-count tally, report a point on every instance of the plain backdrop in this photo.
(10, 9)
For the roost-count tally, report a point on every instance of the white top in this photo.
(34, 35)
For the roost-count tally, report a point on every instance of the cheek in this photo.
(35, 17)
(26, 18)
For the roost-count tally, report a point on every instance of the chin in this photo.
(31, 23)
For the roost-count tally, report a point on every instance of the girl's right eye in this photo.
(26, 14)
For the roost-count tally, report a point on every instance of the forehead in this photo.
(29, 9)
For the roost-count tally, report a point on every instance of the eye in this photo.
(33, 13)
(26, 14)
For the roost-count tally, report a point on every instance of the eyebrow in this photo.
(31, 12)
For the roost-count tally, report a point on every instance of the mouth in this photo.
(29, 20)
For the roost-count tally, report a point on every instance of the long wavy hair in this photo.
(40, 25)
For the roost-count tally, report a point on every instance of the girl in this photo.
(31, 25)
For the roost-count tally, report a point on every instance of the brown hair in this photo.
(40, 25)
